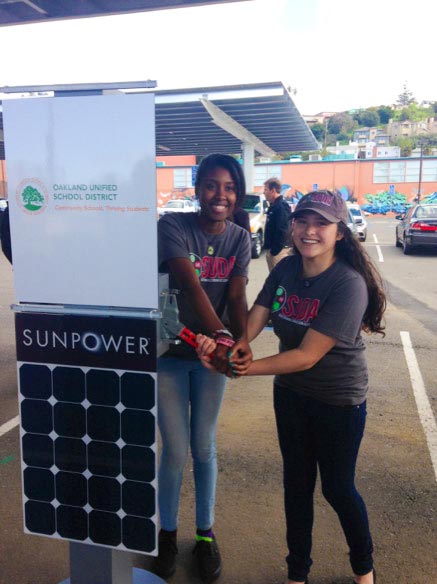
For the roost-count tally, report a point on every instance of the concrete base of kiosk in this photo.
(98, 565)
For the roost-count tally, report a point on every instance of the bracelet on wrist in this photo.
(221, 333)
(224, 340)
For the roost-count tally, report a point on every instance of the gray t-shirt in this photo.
(332, 303)
(216, 259)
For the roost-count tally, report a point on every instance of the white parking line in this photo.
(9, 425)
(378, 249)
(422, 402)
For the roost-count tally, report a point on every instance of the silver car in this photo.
(359, 220)
(351, 224)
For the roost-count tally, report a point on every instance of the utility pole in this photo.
(325, 138)
(419, 190)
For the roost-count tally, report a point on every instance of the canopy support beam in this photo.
(224, 121)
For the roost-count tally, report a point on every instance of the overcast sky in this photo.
(338, 54)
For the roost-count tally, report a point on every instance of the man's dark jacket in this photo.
(6, 235)
(277, 226)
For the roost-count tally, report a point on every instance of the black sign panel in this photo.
(94, 341)
(88, 429)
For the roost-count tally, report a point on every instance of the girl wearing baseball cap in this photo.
(320, 299)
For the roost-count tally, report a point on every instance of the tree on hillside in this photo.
(385, 112)
(426, 143)
(368, 118)
(412, 112)
(319, 131)
(343, 138)
(341, 123)
(406, 97)
(331, 140)
(406, 145)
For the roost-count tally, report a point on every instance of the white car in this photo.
(359, 220)
(177, 206)
(256, 205)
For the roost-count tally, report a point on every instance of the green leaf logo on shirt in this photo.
(195, 260)
(279, 299)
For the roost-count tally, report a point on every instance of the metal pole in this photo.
(419, 190)
(248, 165)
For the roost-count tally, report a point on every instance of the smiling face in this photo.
(315, 237)
(217, 194)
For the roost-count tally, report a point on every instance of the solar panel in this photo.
(88, 433)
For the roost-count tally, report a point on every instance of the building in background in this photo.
(353, 177)
(407, 128)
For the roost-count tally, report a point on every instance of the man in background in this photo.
(277, 225)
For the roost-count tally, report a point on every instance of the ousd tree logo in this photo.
(32, 196)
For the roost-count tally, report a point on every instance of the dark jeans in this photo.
(314, 433)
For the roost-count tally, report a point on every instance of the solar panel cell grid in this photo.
(89, 455)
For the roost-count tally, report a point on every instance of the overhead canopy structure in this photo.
(222, 119)
(28, 11)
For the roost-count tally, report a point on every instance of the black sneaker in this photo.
(208, 560)
(165, 564)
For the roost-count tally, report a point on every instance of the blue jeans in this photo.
(189, 400)
(312, 433)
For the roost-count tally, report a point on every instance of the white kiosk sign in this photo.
(82, 195)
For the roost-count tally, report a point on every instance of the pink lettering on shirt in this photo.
(301, 309)
(217, 268)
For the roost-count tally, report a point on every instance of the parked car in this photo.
(351, 224)
(177, 206)
(417, 227)
(256, 205)
(359, 220)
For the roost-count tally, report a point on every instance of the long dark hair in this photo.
(228, 163)
(350, 250)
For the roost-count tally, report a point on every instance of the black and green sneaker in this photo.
(207, 557)
(164, 565)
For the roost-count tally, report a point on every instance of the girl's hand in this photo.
(205, 346)
(231, 373)
(240, 357)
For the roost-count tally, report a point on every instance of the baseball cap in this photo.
(329, 205)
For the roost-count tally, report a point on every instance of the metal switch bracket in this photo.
(170, 324)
